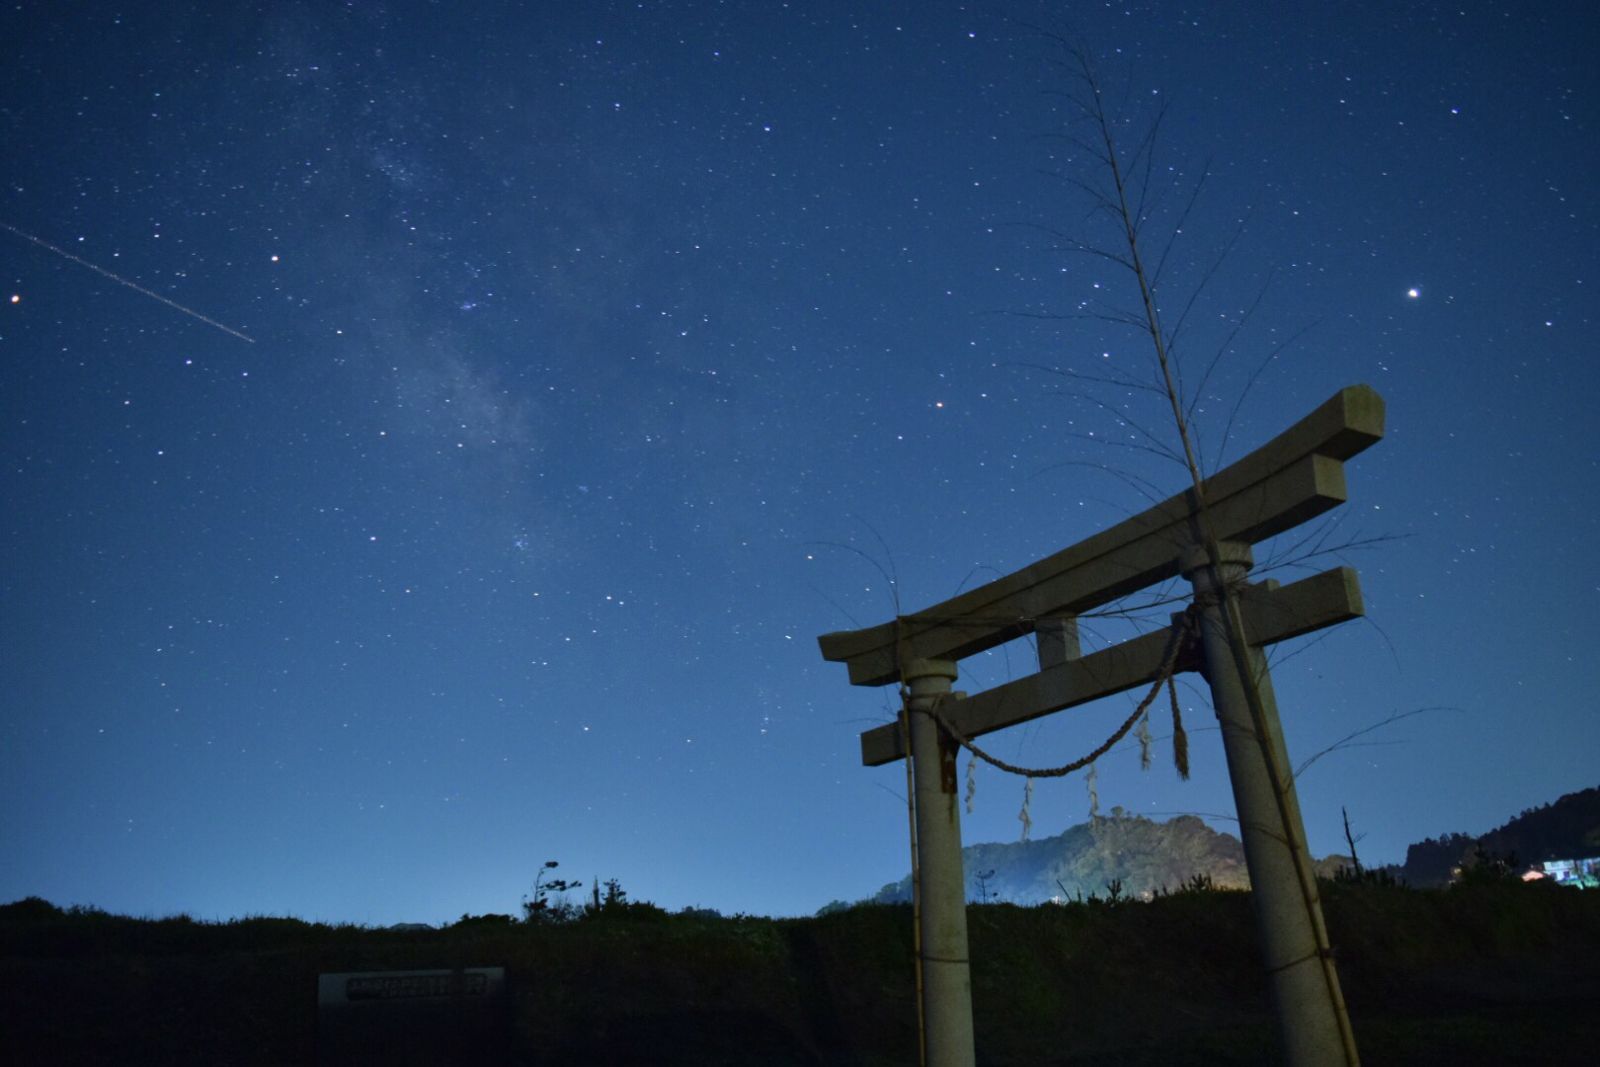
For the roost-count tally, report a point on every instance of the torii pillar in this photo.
(941, 883)
(1313, 1024)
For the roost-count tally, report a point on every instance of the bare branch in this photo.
(1121, 381)
(1177, 227)
(1255, 375)
(1144, 488)
(1344, 741)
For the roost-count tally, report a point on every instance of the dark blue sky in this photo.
(582, 338)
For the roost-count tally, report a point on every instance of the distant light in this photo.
(16, 298)
(1413, 292)
(274, 258)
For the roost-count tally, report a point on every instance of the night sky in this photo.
(601, 356)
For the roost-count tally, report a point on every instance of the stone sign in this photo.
(455, 1016)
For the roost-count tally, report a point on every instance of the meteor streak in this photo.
(64, 254)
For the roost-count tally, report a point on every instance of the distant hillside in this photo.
(1567, 829)
(1142, 854)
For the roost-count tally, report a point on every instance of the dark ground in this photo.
(1500, 973)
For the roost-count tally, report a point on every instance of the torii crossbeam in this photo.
(1294, 477)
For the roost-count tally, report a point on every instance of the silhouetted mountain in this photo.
(1143, 856)
(1140, 855)
(1567, 829)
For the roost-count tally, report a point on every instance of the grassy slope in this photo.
(1494, 973)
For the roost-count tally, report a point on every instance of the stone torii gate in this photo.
(1295, 477)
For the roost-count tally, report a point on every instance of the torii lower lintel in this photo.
(1272, 614)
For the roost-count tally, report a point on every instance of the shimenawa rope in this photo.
(1183, 625)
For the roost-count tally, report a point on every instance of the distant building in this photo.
(1584, 873)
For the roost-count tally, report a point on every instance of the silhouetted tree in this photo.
(539, 907)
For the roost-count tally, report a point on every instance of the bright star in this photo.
(1413, 292)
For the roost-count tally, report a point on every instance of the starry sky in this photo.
(434, 435)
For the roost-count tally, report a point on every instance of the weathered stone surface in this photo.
(1296, 476)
